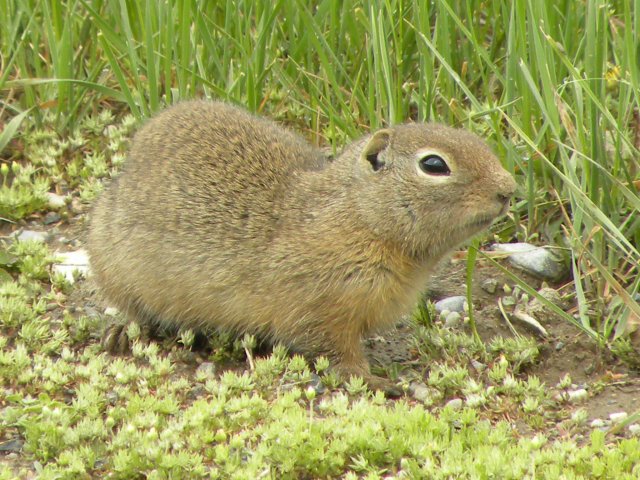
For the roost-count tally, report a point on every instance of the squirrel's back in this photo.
(225, 166)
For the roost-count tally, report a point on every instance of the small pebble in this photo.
(453, 319)
(634, 429)
(559, 346)
(453, 304)
(112, 397)
(597, 423)
(508, 301)
(454, 403)
(618, 416)
(577, 395)
(317, 385)
(490, 285)
(55, 201)
(51, 217)
(420, 392)
(478, 366)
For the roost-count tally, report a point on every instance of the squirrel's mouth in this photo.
(480, 223)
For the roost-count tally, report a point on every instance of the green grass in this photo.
(553, 86)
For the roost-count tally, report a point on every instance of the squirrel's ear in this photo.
(377, 143)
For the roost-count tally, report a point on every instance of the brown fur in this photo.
(223, 219)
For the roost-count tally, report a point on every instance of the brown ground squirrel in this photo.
(224, 219)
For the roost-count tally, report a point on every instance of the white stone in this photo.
(71, 262)
(618, 417)
(55, 201)
(577, 395)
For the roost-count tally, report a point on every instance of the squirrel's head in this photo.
(436, 186)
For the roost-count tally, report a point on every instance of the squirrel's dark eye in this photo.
(434, 165)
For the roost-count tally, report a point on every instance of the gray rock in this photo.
(634, 429)
(539, 309)
(13, 445)
(454, 403)
(597, 423)
(490, 285)
(197, 392)
(537, 261)
(420, 392)
(51, 217)
(316, 384)
(453, 304)
(508, 301)
(27, 235)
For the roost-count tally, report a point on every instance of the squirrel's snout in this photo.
(504, 197)
(506, 187)
(506, 191)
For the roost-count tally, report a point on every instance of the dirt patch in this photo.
(566, 350)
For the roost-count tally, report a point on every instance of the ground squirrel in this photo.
(224, 219)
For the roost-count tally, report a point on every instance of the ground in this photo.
(612, 386)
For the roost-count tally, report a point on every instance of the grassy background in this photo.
(553, 86)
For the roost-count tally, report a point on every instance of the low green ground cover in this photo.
(554, 87)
